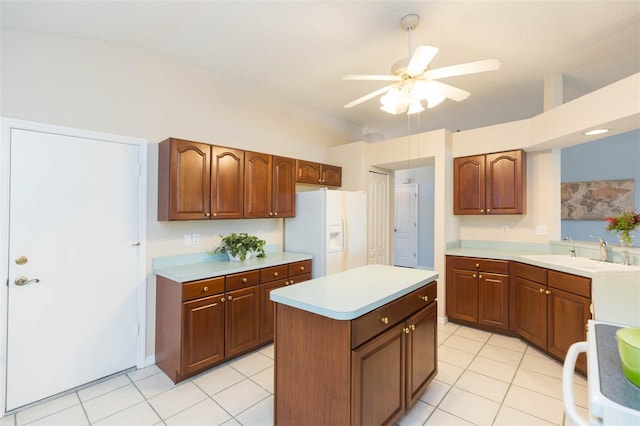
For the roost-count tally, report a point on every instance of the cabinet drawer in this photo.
(273, 273)
(571, 283)
(299, 278)
(299, 268)
(416, 299)
(480, 264)
(242, 280)
(532, 273)
(196, 289)
(375, 322)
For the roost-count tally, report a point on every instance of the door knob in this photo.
(24, 280)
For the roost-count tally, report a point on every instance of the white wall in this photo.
(114, 89)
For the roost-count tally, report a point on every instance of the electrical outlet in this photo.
(505, 229)
(541, 230)
(187, 239)
(195, 239)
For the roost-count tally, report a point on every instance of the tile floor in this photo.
(483, 379)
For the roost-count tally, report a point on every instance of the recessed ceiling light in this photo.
(596, 132)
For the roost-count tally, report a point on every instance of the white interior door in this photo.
(378, 218)
(74, 236)
(405, 230)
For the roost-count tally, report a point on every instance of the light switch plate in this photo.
(541, 230)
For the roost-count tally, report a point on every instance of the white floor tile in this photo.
(101, 388)
(252, 363)
(73, 416)
(251, 394)
(484, 386)
(492, 368)
(498, 353)
(513, 343)
(507, 416)
(218, 379)
(473, 408)
(417, 415)
(139, 415)
(464, 344)
(542, 365)
(435, 392)
(143, 373)
(9, 420)
(448, 373)
(268, 351)
(442, 418)
(260, 414)
(110, 403)
(154, 385)
(47, 408)
(448, 328)
(454, 356)
(206, 412)
(535, 404)
(472, 333)
(265, 379)
(177, 399)
(546, 385)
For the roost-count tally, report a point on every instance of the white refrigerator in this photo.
(332, 227)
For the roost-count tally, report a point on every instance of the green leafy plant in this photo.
(623, 225)
(240, 244)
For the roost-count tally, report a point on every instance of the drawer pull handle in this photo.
(384, 320)
(244, 280)
(425, 298)
(275, 274)
(205, 288)
(477, 265)
(406, 330)
(542, 290)
(302, 268)
(547, 292)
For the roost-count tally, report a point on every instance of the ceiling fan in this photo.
(413, 80)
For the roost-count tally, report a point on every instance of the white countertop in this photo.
(349, 294)
(191, 268)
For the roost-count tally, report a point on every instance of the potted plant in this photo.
(240, 246)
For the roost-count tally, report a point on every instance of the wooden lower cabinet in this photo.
(367, 371)
(202, 323)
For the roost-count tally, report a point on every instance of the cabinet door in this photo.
(378, 370)
(531, 308)
(493, 299)
(227, 183)
(505, 179)
(266, 309)
(331, 175)
(242, 320)
(284, 187)
(567, 322)
(308, 172)
(257, 185)
(462, 295)
(184, 180)
(469, 185)
(421, 352)
(202, 333)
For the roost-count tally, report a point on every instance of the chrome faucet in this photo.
(603, 248)
(573, 251)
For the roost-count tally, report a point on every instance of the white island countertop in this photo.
(349, 294)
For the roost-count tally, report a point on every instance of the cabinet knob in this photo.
(270, 213)
(205, 288)
(547, 292)
(244, 280)
(275, 274)
(291, 282)
(413, 327)
(477, 265)
(542, 290)
(488, 210)
(480, 276)
(222, 300)
(302, 268)
(207, 214)
(406, 330)
(384, 320)
(215, 214)
(286, 283)
(425, 298)
(275, 214)
(474, 275)
(481, 210)
(230, 298)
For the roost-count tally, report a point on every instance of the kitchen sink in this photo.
(581, 263)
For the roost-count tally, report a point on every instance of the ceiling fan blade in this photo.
(462, 69)
(371, 77)
(420, 59)
(449, 91)
(368, 96)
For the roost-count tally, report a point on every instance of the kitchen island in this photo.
(356, 347)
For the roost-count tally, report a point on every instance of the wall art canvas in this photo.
(596, 200)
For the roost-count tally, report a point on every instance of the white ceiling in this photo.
(300, 49)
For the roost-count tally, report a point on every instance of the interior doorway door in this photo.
(405, 229)
(378, 218)
(75, 232)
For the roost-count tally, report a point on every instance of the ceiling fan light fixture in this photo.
(434, 100)
(415, 107)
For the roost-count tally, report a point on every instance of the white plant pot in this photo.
(236, 258)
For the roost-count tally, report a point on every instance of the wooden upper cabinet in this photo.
(318, 174)
(227, 183)
(490, 184)
(184, 179)
(269, 186)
